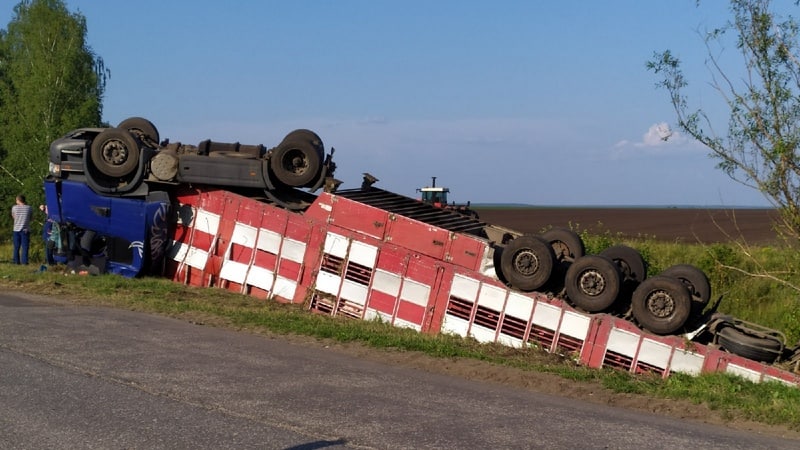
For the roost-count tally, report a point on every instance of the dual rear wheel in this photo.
(594, 283)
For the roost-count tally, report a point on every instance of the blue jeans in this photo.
(22, 240)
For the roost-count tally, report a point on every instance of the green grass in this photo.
(730, 397)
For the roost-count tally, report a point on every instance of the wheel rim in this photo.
(561, 250)
(660, 303)
(295, 162)
(625, 268)
(526, 262)
(592, 283)
(115, 152)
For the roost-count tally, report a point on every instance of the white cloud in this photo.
(660, 138)
(657, 135)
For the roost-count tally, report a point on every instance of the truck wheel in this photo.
(297, 160)
(593, 283)
(567, 245)
(758, 348)
(630, 262)
(695, 280)
(661, 304)
(115, 153)
(527, 262)
(142, 129)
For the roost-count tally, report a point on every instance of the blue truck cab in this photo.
(104, 234)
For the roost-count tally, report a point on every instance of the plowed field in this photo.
(687, 225)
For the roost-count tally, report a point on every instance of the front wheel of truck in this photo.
(142, 129)
(115, 153)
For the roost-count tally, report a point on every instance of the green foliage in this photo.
(596, 243)
(50, 82)
(760, 148)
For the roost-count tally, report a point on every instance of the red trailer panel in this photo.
(355, 260)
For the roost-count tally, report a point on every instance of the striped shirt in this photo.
(22, 217)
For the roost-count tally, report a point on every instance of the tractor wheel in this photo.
(527, 262)
(142, 129)
(115, 153)
(630, 262)
(661, 304)
(695, 280)
(297, 160)
(740, 342)
(593, 283)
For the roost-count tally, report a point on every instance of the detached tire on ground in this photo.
(297, 160)
(661, 304)
(758, 348)
(142, 129)
(593, 283)
(115, 153)
(527, 262)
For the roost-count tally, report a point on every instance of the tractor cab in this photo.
(436, 196)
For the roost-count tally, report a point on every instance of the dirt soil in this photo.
(686, 225)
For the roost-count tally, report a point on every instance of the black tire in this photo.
(593, 283)
(297, 160)
(740, 342)
(115, 153)
(527, 262)
(695, 280)
(567, 245)
(661, 304)
(630, 262)
(142, 129)
(497, 261)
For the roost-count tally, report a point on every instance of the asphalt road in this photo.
(97, 378)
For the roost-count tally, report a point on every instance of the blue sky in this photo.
(536, 102)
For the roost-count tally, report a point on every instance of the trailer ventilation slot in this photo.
(486, 317)
(542, 336)
(617, 360)
(349, 309)
(332, 264)
(358, 273)
(513, 327)
(322, 303)
(642, 367)
(569, 344)
(460, 308)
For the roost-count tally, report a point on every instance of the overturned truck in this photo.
(249, 219)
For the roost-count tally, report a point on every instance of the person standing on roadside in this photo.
(21, 212)
(47, 229)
